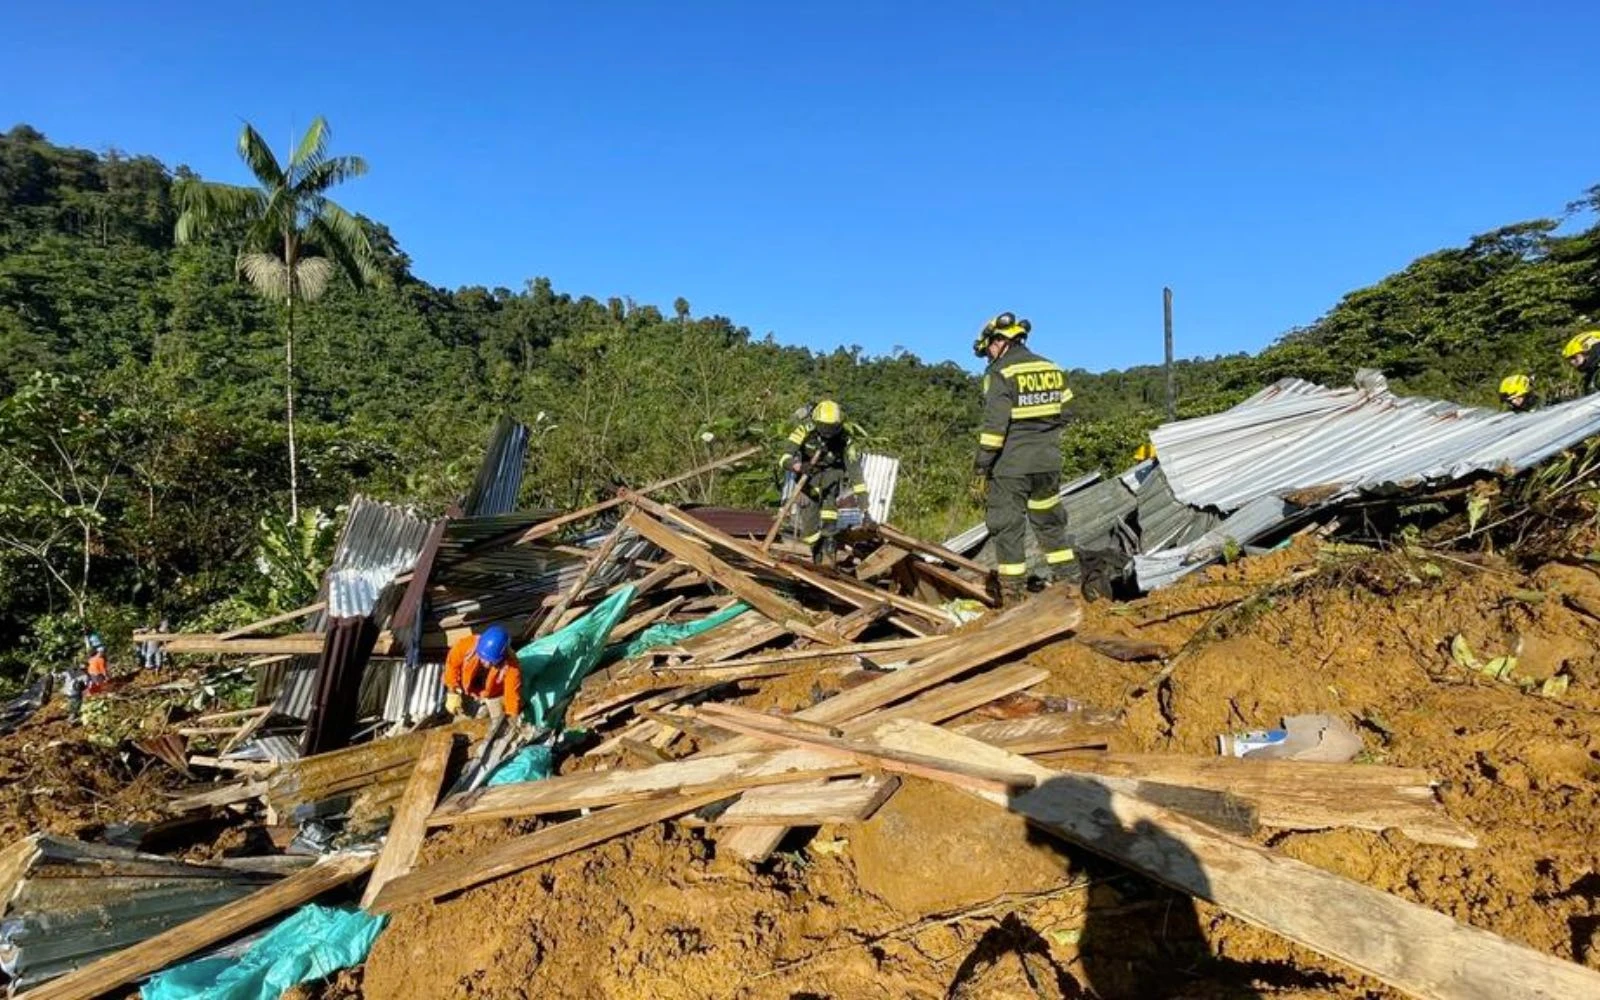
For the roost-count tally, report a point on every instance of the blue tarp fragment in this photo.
(311, 943)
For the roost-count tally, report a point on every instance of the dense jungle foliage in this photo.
(141, 393)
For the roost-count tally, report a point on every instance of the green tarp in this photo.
(667, 633)
(553, 666)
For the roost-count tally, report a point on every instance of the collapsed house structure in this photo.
(642, 625)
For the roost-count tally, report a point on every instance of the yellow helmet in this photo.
(1515, 385)
(827, 414)
(1006, 326)
(1580, 343)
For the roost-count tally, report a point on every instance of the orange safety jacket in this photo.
(97, 666)
(464, 672)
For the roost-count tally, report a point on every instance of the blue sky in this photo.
(878, 174)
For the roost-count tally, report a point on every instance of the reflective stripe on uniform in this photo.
(1060, 556)
(798, 435)
(987, 440)
(1028, 367)
(860, 487)
(812, 539)
(1012, 569)
(830, 515)
(1045, 504)
(1035, 412)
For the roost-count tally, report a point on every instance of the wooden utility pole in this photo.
(1172, 386)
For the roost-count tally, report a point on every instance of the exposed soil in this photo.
(941, 896)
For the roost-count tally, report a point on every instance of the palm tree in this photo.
(291, 230)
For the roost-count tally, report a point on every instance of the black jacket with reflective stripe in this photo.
(1023, 397)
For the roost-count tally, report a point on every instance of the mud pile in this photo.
(940, 895)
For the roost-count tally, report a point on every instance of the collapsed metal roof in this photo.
(1296, 435)
(499, 478)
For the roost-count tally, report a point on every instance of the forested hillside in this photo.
(143, 443)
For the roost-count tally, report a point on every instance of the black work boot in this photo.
(826, 552)
(1013, 591)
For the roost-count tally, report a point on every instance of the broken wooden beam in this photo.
(904, 540)
(479, 867)
(410, 822)
(168, 947)
(729, 774)
(810, 803)
(298, 643)
(1299, 795)
(287, 616)
(1416, 950)
(768, 602)
(798, 733)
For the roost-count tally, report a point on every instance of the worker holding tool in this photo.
(484, 669)
(1017, 472)
(1583, 353)
(828, 476)
(1517, 395)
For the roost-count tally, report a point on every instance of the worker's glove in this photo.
(452, 702)
(980, 488)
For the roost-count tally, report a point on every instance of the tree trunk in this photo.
(288, 380)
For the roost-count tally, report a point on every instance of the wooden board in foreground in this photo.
(1297, 795)
(729, 773)
(552, 842)
(156, 953)
(410, 822)
(811, 803)
(1416, 950)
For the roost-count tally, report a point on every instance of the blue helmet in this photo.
(492, 644)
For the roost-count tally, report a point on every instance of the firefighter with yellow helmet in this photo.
(1517, 395)
(1018, 463)
(1582, 352)
(820, 450)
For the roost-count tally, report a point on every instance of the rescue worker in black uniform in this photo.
(1018, 465)
(820, 449)
(1517, 395)
(1583, 353)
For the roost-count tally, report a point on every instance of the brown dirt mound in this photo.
(54, 780)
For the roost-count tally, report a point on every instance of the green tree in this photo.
(292, 236)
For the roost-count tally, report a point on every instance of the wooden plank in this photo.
(517, 855)
(767, 602)
(849, 627)
(221, 795)
(919, 646)
(156, 953)
(1038, 734)
(246, 731)
(639, 622)
(546, 528)
(1293, 795)
(255, 768)
(810, 803)
(236, 714)
(994, 636)
(881, 562)
(949, 582)
(1412, 948)
(847, 591)
(410, 822)
(287, 616)
(793, 732)
(728, 774)
(208, 642)
(902, 540)
(601, 555)
(950, 700)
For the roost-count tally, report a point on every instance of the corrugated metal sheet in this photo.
(734, 521)
(499, 479)
(379, 542)
(1167, 566)
(1163, 521)
(1299, 436)
(882, 473)
(66, 903)
(295, 683)
(336, 699)
(414, 693)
